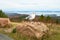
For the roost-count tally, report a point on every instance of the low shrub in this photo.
(14, 30)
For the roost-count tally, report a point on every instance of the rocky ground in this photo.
(28, 28)
(32, 29)
(35, 29)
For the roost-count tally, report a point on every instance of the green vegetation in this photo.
(45, 19)
(48, 19)
(42, 18)
(2, 14)
(14, 30)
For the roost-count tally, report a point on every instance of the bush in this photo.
(14, 30)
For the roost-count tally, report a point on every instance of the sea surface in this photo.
(36, 12)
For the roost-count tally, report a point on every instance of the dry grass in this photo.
(54, 33)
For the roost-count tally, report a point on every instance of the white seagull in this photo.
(31, 16)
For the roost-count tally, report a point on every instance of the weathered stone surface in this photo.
(4, 22)
(35, 29)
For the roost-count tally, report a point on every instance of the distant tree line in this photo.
(2, 14)
(48, 19)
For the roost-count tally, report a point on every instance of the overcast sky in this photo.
(30, 5)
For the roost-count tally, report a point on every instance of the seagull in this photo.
(31, 16)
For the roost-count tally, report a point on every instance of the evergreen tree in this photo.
(2, 14)
(48, 18)
(42, 18)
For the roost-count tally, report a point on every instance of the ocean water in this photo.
(41, 13)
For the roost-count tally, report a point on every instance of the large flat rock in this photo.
(33, 29)
(4, 22)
